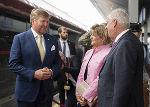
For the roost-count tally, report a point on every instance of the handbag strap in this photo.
(86, 70)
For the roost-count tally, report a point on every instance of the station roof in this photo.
(106, 6)
(22, 8)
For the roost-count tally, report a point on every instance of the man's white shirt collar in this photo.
(62, 41)
(122, 33)
(35, 37)
(67, 47)
(34, 33)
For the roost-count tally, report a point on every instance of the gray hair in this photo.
(121, 16)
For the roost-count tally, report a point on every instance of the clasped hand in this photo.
(81, 100)
(43, 74)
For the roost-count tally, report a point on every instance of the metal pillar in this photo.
(145, 34)
(133, 6)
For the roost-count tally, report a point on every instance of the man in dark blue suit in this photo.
(121, 77)
(68, 49)
(34, 57)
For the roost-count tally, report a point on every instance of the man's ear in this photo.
(59, 34)
(32, 20)
(115, 22)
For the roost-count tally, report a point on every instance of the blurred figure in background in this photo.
(92, 63)
(68, 49)
(79, 51)
(85, 41)
(136, 29)
(73, 71)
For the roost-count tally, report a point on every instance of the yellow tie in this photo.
(40, 46)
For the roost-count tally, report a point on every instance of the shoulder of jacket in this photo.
(23, 33)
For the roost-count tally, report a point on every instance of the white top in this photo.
(119, 36)
(67, 47)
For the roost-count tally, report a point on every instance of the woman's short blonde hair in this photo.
(100, 30)
(36, 13)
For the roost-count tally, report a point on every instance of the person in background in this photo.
(92, 63)
(79, 51)
(85, 41)
(121, 77)
(73, 70)
(34, 57)
(68, 49)
(136, 29)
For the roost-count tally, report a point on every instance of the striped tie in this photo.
(40, 46)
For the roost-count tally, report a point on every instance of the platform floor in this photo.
(10, 102)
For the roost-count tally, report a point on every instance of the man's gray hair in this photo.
(121, 16)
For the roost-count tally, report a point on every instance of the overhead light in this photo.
(111, 7)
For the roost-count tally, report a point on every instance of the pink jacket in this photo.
(94, 67)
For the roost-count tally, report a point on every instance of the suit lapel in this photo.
(59, 45)
(31, 39)
(46, 39)
(114, 47)
(70, 48)
(49, 44)
(69, 44)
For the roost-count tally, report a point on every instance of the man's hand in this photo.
(63, 59)
(62, 56)
(62, 66)
(43, 74)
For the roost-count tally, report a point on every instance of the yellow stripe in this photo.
(56, 105)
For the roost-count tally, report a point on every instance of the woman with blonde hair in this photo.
(92, 63)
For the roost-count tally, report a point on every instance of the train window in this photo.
(7, 79)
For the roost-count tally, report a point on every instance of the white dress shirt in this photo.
(67, 47)
(119, 36)
(67, 55)
(36, 37)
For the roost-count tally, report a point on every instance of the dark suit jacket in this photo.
(25, 60)
(71, 47)
(61, 75)
(121, 77)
